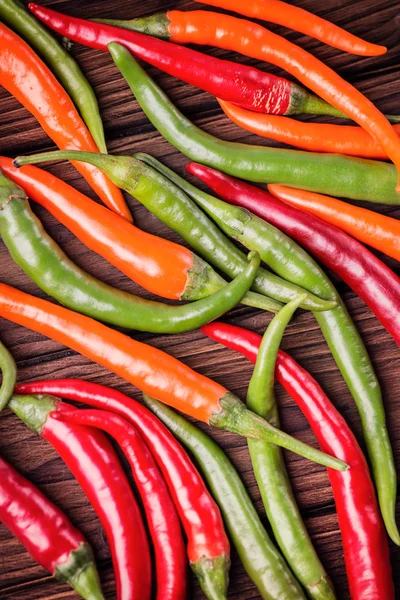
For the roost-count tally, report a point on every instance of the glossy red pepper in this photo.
(366, 274)
(47, 533)
(162, 518)
(92, 460)
(231, 81)
(365, 545)
(200, 515)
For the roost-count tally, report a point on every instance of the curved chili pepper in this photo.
(201, 233)
(376, 230)
(315, 137)
(208, 546)
(162, 518)
(64, 66)
(160, 266)
(237, 83)
(301, 20)
(330, 174)
(26, 77)
(243, 85)
(263, 563)
(250, 39)
(368, 276)
(48, 266)
(8, 370)
(351, 261)
(151, 370)
(92, 460)
(269, 468)
(173, 207)
(366, 550)
(47, 533)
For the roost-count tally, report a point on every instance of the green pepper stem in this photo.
(81, 573)
(235, 417)
(213, 577)
(124, 171)
(155, 25)
(33, 410)
(260, 393)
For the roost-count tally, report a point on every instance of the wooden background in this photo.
(129, 131)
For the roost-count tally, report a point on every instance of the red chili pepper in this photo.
(234, 82)
(368, 276)
(92, 460)
(365, 545)
(162, 518)
(47, 533)
(200, 515)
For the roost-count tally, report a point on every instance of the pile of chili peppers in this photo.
(183, 509)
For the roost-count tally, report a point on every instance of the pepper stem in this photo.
(155, 25)
(124, 171)
(81, 573)
(235, 417)
(212, 574)
(33, 410)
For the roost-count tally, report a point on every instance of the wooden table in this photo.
(129, 131)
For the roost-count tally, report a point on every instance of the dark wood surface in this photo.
(129, 131)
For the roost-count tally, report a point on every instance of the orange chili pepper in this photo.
(315, 137)
(301, 20)
(29, 80)
(239, 35)
(379, 231)
(151, 370)
(160, 266)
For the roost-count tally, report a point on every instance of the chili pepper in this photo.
(316, 137)
(366, 550)
(8, 370)
(47, 533)
(250, 39)
(237, 83)
(208, 546)
(151, 370)
(270, 471)
(175, 209)
(26, 77)
(368, 276)
(162, 518)
(158, 265)
(301, 20)
(262, 561)
(201, 233)
(330, 174)
(58, 276)
(354, 263)
(92, 460)
(243, 85)
(64, 66)
(376, 230)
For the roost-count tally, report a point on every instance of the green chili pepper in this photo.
(262, 561)
(9, 376)
(270, 471)
(339, 330)
(330, 174)
(47, 265)
(174, 208)
(60, 61)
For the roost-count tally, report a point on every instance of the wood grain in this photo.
(129, 131)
